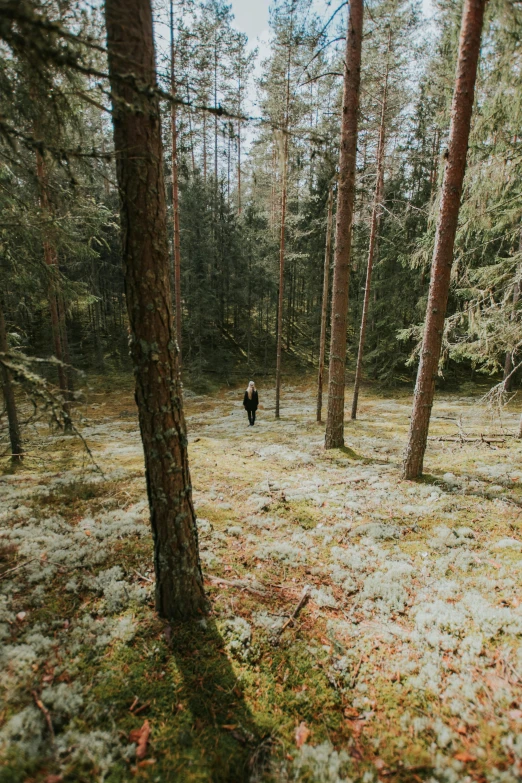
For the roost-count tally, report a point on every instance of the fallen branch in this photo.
(356, 672)
(236, 583)
(18, 567)
(47, 715)
(141, 576)
(302, 601)
(469, 439)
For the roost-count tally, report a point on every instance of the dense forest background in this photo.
(61, 278)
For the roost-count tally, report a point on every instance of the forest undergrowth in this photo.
(404, 664)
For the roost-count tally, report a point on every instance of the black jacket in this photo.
(251, 404)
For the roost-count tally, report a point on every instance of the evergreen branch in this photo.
(40, 390)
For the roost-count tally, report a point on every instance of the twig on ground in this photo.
(356, 672)
(512, 669)
(236, 583)
(141, 576)
(47, 715)
(18, 567)
(302, 601)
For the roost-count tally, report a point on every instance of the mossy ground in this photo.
(216, 715)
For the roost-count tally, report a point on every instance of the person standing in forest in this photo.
(251, 402)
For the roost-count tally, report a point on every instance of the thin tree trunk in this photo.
(374, 233)
(461, 111)
(191, 135)
(143, 214)
(229, 158)
(434, 161)
(239, 166)
(324, 308)
(508, 364)
(175, 189)
(9, 396)
(62, 316)
(215, 129)
(282, 242)
(51, 263)
(282, 252)
(334, 436)
(205, 148)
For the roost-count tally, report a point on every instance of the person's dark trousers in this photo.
(251, 418)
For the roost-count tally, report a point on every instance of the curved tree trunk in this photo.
(139, 166)
(461, 111)
(334, 436)
(374, 235)
(9, 396)
(324, 308)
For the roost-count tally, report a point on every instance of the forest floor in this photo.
(404, 665)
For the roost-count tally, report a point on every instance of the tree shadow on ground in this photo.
(235, 748)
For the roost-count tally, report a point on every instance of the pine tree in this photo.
(374, 230)
(334, 437)
(137, 141)
(324, 306)
(462, 107)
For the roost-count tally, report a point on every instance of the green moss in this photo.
(298, 512)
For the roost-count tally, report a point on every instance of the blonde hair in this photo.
(250, 389)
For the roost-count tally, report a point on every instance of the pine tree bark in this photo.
(15, 436)
(374, 234)
(324, 307)
(175, 187)
(334, 436)
(139, 167)
(461, 111)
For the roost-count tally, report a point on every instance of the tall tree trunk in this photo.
(205, 147)
(324, 308)
(175, 189)
(239, 167)
(508, 364)
(51, 263)
(143, 214)
(334, 436)
(62, 316)
(282, 245)
(461, 111)
(9, 396)
(215, 128)
(374, 234)
(229, 158)
(434, 161)
(191, 135)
